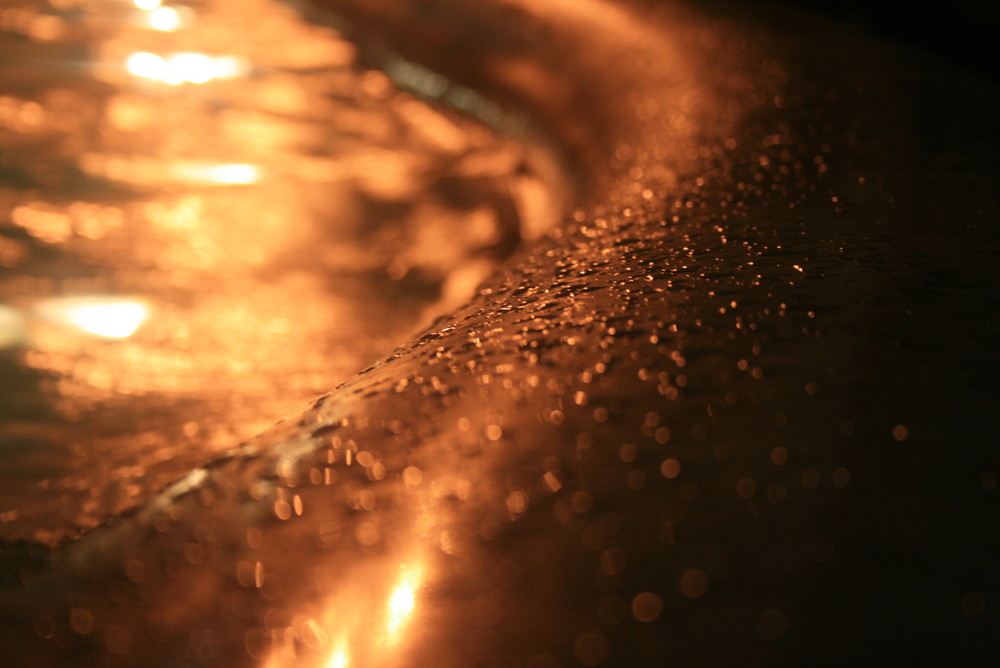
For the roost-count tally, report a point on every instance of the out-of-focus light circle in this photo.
(165, 19)
(146, 65)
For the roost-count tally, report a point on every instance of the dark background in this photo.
(965, 31)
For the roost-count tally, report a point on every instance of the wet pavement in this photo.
(733, 404)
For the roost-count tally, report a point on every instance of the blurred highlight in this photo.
(219, 215)
(340, 658)
(106, 317)
(181, 68)
(231, 174)
(401, 602)
(165, 19)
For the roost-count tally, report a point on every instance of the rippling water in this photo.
(196, 245)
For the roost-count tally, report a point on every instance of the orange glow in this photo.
(106, 317)
(261, 287)
(361, 623)
(230, 174)
(55, 227)
(146, 65)
(181, 68)
(402, 601)
(165, 19)
(340, 658)
(189, 67)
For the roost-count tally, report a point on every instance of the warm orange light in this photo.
(147, 5)
(112, 321)
(11, 326)
(189, 67)
(181, 68)
(227, 67)
(401, 602)
(107, 317)
(165, 19)
(340, 658)
(225, 174)
(146, 65)
(364, 625)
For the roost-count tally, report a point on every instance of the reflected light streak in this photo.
(181, 68)
(228, 174)
(369, 626)
(107, 317)
(401, 602)
(189, 67)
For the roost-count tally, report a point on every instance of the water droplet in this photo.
(591, 649)
(647, 606)
(693, 583)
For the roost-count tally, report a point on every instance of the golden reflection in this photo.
(181, 68)
(273, 234)
(363, 621)
(339, 658)
(230, 174)
(165, 19)
(402, 601)
(189, 67)
(106, 317)
(146, 65)
(142, 171)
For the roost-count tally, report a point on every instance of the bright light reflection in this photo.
(231, 174)
(181, 68)
(146, 65)
(191, 67)
(401, 602)
(148, 5)
(340, 658)
(373, 634)
(112, 321)
(108, 317)
(165, 19)
(227, 67)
